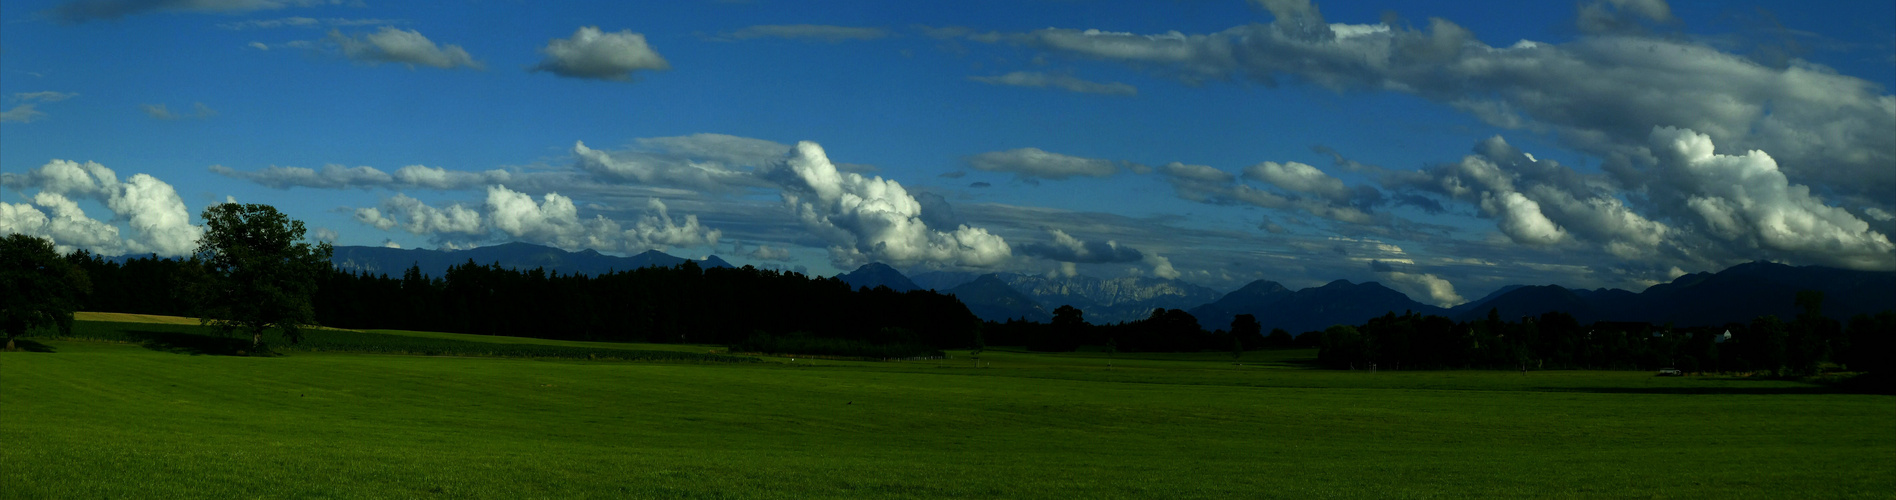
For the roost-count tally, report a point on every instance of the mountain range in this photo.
(1736, 294)
(393, 261)
(1102, 301)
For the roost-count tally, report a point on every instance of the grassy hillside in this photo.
(97, 419)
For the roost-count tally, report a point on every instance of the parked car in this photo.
(1670, 372)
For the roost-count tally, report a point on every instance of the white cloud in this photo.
(44, 96)
(1205, 184)
(660, 169)
(817, 32)
(1299, 177)
(419, 218)
(1598, 94)
(407, 47)
(152, 208)
(1878, 214)
(1029, 163)
(364, 177)
(555, 221)
(301, 22)
(1521, 218)
(766, 252)
(1066, 248)
(867, 219)
(157, 214)
(22, 218)
(1161, 266)
(1431, 288)
(593, 54)
(330, 177)
(67, 226)
(444, 179)
(24, 113)
(1068, 83)
(162, 112)
(1746, 200)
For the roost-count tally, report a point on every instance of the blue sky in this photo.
(1444, 149)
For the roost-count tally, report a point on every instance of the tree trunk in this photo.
(9, 343)
(256, 339)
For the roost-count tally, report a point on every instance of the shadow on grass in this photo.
(25, 345)
(1723, 391)
(192, 344)
(1861, 384)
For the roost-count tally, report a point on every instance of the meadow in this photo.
(181, 417)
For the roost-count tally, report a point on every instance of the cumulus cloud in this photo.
(151, 208)
(1598, 94)
(594, 54)
(80, 11)
(1746, 200)
(322, 234)
(1539, 201)
(364, 177)
(1688, 205)
(1068, 83)
(1293, 176)
(1430, 288)
(555, 221)
(67, 226)
(868, 219)
(419, 218)
(1066, 248)
(813, 32)
(24, 113)
(1521, 218)
(399, 46)
(1161, 266)
(1034, 163)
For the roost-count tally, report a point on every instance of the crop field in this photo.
(169, 334)
(161, 412)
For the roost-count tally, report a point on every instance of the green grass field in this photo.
(100, 419)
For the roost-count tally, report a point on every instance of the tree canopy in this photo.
(37, 286)
(257, 272)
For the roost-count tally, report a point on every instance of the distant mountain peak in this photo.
(876, 274)
(1263, 287)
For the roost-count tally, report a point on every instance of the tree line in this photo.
(1555, 340)
(747, 308)
(252, 272)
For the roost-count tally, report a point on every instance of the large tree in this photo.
(258, 273)
(37, 287)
